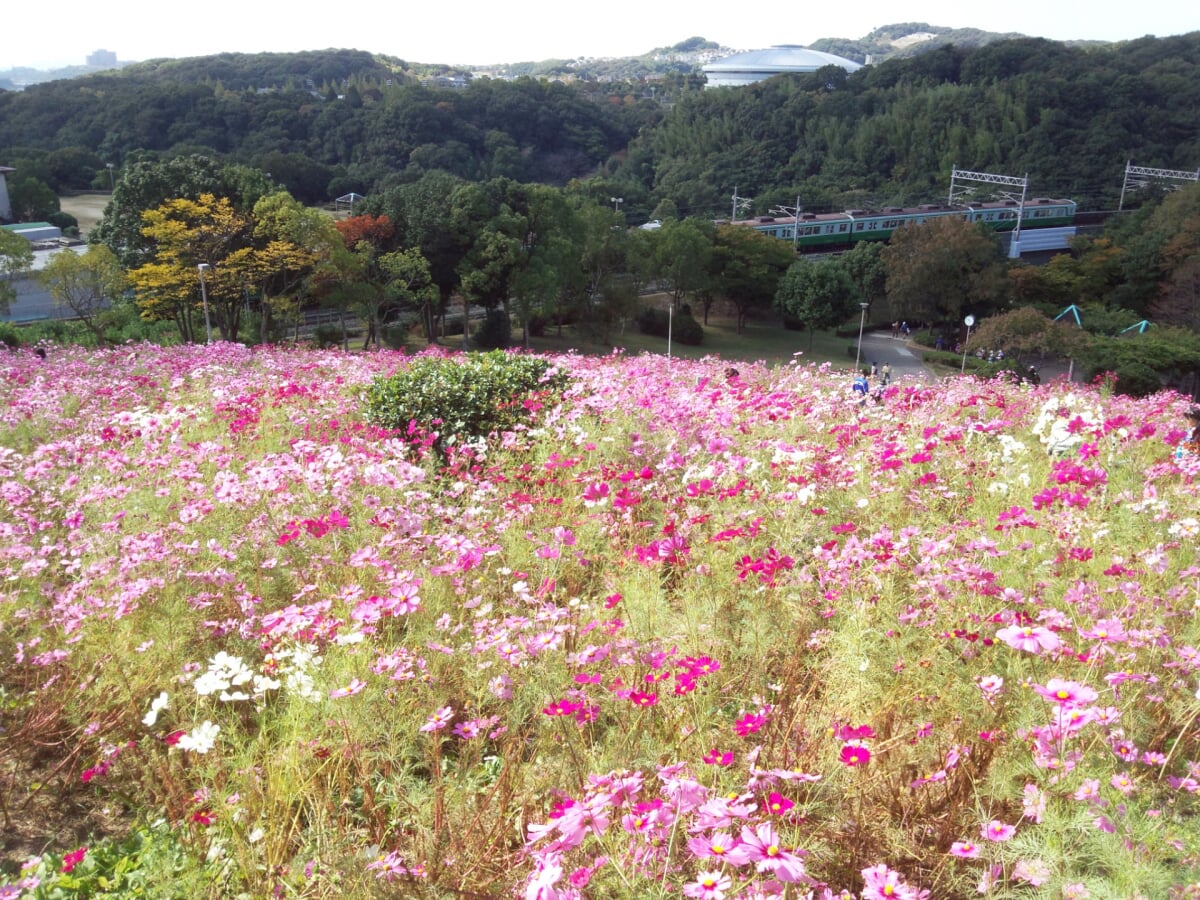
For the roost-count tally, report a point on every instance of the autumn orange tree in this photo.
(363, 289)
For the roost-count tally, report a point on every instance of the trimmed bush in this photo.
(10, 337)
(327, 336)
(459, 397)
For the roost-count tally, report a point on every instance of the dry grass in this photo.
(87, 208)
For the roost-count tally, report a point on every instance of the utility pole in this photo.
(794, 212)
(739, 203)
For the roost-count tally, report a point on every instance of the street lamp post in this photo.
(112, 184)
(616, 202)
(203, 267)
(862, 320)
(968, 321)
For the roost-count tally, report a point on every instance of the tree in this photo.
(85, 284)
(146, 185)
(367, 237)
(684, 253)
(186, 234)
(748, 266)
(1025, 330)
(298, 239)
(865, 267)
(433, 215)
(409, 282)
(818, 294)
(16, 257)
(943, 267)
(32, 200)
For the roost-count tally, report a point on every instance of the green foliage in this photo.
(495, 332)
(16, 257)
(817, 294)
(10, 335)
(459, 398)
(941, 268)
(326, 336)
(682, 327)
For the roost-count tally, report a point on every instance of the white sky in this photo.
(479, 32)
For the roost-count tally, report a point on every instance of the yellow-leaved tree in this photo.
(193, 241)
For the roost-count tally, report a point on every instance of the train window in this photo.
(858, 226)
(841, 228)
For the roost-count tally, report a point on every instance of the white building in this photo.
(759, 65)
(5, 206)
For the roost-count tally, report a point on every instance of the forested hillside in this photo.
(322, 123)
(1069, 117)
(329, 122)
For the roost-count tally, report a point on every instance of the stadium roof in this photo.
(756, 65)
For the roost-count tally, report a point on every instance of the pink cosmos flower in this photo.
(855, 754)
(74, 858)
(354, 687)
(997, 831)
(708, 886)
(439, 719)
(1029, 638)
(716, 845)
(715, 757)
(964, 850)
(748, 724)
(778, 804)
(882, 883)
(762, 847)
(1066, 693)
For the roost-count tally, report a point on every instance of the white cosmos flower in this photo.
(201, 738)
(157, 705)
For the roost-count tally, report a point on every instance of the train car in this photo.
(839, 231)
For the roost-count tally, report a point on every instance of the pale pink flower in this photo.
(354, 687)
(1032, 871)
(708, 886)
(439, 719)
(1029, 638)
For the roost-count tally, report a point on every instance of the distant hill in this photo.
(688, 57)
(909, 39)
(20, 77)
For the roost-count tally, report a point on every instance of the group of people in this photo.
(861, 386)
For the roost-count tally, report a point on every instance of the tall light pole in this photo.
(861, 322)
(112, 184)
(616, 202)
(968, 321)
(203, 267)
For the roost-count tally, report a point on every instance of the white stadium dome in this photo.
(758, 65)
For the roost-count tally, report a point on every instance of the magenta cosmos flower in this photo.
(997, 831)
(854, 754)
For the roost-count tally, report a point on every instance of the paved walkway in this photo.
(905, 358)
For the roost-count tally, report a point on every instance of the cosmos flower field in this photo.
(680, 634)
